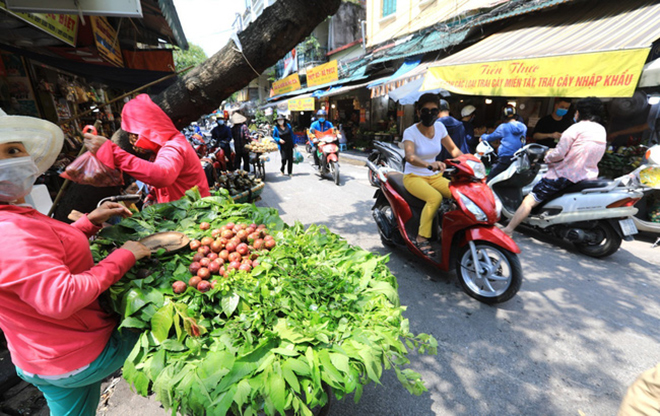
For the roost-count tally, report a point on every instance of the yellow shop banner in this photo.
(322, 74)
(288, 84)
(62, 26)
(603, 74)
(302, 104)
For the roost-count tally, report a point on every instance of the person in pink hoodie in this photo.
(174, 167)
(59, 337)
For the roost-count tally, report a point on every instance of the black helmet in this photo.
(509, 111)
(321, 113)
(444, 105)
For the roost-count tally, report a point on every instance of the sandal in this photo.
(425, 247)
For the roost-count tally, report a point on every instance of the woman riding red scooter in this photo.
(484, 257)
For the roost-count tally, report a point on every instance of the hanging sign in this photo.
(302, 104)
(61, 26)
(322, 74)
(288, 84)
(107, 43)
(603, 74)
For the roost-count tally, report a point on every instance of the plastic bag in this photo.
(297, 156)
(88, 170)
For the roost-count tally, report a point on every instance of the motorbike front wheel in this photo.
(497, 276)
(605, 241)
(334, 171)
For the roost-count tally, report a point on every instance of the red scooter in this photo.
(327, 151)
(484, 257)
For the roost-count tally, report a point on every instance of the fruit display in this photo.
(255, 316)
(237, 182)
(233, 247)
(265, 145)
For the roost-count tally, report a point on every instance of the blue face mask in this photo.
(221, 122)
(561, 112)
(322, 119)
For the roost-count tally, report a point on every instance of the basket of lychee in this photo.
(230, 248)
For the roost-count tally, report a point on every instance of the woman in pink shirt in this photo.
(574, 159)
(59, 337)
(174, 167)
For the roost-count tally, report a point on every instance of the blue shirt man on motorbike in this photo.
(321, 125)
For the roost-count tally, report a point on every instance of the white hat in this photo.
(467, 110)
(42, 139)
(238, 118)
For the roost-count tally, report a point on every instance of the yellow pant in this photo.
(430, 189)
(643, 396)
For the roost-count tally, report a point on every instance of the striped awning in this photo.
(591, 48)
(390, 84)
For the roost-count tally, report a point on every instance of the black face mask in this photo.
(428, 116)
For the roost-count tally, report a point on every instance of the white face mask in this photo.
(17, 175)
(281, 122)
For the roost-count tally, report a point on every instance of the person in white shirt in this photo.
(423, 178)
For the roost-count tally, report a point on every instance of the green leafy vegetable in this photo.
(316, 311)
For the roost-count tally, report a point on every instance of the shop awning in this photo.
(590, 49)
(393, 83)
(342, 90)
(410, 92)
(407, 66)
(650, 75)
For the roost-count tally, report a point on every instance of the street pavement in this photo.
(577, 334)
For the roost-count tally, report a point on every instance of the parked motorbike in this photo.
(327, 150)
(486, 154)
(385, 154)
(649, 181)
(593, 215)
(485, 258)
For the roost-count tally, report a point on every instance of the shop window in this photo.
(389, 7)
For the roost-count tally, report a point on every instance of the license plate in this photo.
(628, 226)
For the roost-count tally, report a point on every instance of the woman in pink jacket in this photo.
(58, 336)
(175, 167)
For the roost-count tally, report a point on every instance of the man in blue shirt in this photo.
(455, 129)
(320, 125)
(512, 136)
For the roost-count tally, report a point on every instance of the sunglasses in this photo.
(432, 111)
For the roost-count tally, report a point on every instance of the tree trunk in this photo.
(277, 31)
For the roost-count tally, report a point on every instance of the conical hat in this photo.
(238, 118)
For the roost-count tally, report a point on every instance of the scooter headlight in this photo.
(478, 168)
(478, 213)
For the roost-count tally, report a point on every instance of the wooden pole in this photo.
(65, 185)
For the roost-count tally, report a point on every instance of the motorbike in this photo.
(327, 150)
(385, 154)
(593, 215)
(648, 178)
(486, 154)
(484, 257)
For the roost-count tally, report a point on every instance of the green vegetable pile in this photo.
(316, 312)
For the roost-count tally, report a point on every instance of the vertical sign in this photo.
(107, 43)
